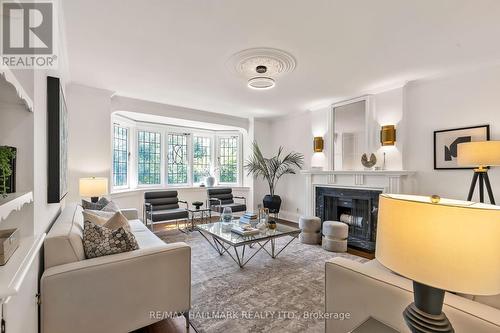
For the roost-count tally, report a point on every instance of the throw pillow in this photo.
(97, 216)
(109, 220)
(118, 220)
(99, 205)
(111, 207)
(100, 241)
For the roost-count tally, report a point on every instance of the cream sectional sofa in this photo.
(369, 289)
(116, 293)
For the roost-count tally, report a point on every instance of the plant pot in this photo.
(210, 181)
(273, 203)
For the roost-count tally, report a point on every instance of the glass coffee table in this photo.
(223, 241)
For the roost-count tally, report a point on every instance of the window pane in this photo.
(149, 150)
(228, 158)
(120, 155)
(177, 159)
(201, 158)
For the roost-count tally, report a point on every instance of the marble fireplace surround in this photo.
(387, 181)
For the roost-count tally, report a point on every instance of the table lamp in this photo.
(93, 188)
(479, 154)
(429, 240)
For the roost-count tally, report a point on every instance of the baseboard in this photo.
(289, 216)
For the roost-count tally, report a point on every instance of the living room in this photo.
(230, 166)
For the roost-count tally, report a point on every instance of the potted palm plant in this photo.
(271, 170)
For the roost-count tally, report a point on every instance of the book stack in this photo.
(249, 217)
(244, 230)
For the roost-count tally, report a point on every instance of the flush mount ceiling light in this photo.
(261, 66)
(261, 83)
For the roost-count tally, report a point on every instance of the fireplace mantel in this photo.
(388, 181)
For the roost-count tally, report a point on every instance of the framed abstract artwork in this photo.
(446, 142)
(57, 119)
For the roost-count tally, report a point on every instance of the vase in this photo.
(273, 203)
(210, 181)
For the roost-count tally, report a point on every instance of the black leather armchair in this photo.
(161, 206)
(220, 198)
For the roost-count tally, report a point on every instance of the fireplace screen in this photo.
(356, 208)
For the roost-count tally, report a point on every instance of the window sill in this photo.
(124, 192)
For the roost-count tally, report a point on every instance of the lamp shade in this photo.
(479, 153)
(93, 187)
(451, 245)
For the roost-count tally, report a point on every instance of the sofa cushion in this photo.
(63, 243)
(235, 207)
(111, 207)
(145, 238)
(169, 214)
(100, 241)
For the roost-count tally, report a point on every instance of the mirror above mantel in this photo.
(354, 129)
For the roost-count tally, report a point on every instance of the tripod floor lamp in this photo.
(480, 155)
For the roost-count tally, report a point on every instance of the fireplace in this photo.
(356, 207)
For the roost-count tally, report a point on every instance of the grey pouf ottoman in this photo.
(311, 227)
(335, 236)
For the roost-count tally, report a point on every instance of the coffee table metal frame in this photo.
(222, 245)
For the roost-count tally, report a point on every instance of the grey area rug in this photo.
(267, 295)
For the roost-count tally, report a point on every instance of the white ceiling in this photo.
(175, 51)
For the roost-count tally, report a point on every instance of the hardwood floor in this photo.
(178, 325)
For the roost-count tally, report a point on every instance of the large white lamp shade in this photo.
(451, 245)
(93, 187)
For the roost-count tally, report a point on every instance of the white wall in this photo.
(294, 133)
(461, 100)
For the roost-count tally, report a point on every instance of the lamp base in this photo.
(421, 322)
(425, 314)
(94, 199)
(484, 180)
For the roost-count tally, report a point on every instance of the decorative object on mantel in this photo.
(480, 155)
(93, 188)
(57, 119)
(271, 170)
(368, 163)
(9, 242)
(406, 248)
(388, 135)
(446, 144)
(7, 170)
(318, 144)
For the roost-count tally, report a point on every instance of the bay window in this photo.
(120, 156)
(228, 148)
(177, 159)
(161, 156)
(202, 158)
(148, 158)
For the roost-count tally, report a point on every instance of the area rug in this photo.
(267, 295)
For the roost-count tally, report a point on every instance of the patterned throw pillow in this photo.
(100, 241)
(99, 205)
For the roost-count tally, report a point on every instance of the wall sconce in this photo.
(318, 144)
(388, 135)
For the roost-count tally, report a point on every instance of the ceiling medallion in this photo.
(261, 66)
